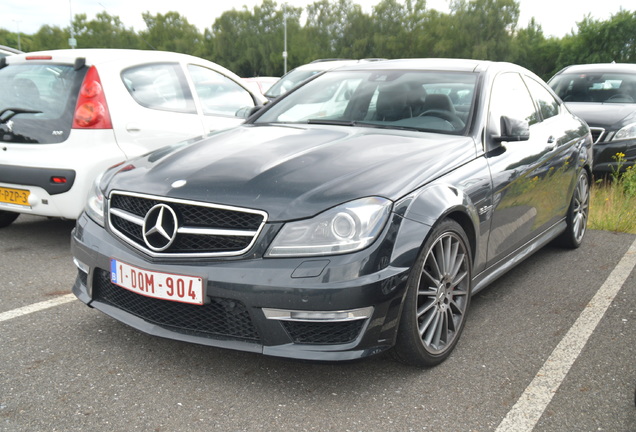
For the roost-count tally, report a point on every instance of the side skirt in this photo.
(499, 268)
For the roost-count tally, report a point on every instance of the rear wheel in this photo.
(578, 213)
(7, 218)
(437, 299)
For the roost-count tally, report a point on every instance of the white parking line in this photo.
(36, 307)
(525, 414)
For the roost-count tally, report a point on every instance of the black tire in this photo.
(578, 213)
(437, 299)
(7, 218)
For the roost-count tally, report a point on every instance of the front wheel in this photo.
(578, 213)
(7, 218)
(437, 298)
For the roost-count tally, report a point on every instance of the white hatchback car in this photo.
(67, 115)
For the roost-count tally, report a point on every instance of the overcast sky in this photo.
(556, 17)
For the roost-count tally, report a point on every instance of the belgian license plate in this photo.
(165, 286)
(14, 196)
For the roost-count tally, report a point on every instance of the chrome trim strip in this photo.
(81, 266)
(601, 133)
(184, 230)
(213, 231)
(329, 316)
(127, 216)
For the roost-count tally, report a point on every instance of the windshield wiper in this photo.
(15, 111)
(332, 122)
(364, 124)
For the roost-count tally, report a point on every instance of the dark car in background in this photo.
(604, 95)
(354, 215)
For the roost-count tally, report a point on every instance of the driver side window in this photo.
(510, 98)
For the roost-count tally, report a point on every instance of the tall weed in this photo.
(613, 202)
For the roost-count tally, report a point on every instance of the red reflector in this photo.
(43, 57)
(128, 167)
(58, 180)
(88, 114)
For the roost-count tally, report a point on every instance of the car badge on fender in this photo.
(160, 227)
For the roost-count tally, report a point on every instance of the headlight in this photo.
(628, 132)
(347, 228)
(95, 202)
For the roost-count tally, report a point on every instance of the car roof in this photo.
(435, 64)
(327, 64)
(103, 55)
(600, 67)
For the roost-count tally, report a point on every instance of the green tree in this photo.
(532, 50)
(49, 38)
(105, 31)
(326, 27)
(229, 40)
(389, 32)
(170, 32)
(604, 41)
(482, 29)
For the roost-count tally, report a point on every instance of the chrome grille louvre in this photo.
(202, 229)
(598, 134)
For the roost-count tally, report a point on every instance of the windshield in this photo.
(595, 87)
(37, 102)
(432, 101)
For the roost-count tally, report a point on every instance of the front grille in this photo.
(598, 134)
(323, 333)
(200, 229)
(221, 318)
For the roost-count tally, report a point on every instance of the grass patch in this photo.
(613, 201)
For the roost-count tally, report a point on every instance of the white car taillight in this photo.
(91, 111)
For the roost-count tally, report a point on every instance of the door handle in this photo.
(133, 128)
(551, 143)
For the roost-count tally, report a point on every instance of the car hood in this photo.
(608, 116)
(295, 172)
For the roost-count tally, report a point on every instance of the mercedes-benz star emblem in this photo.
(160, 227)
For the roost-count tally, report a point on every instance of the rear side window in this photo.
(219, 95)
(548, 106)
(160, 86)
(37, 102)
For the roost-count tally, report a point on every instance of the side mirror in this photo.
(246, 112)
(513, 129)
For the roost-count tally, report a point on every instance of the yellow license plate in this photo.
(14, 196)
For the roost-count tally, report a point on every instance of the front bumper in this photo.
(606, 153)
(327, 309)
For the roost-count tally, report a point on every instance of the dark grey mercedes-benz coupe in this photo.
(356, 214)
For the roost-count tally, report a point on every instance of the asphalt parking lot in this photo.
(551, 346)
